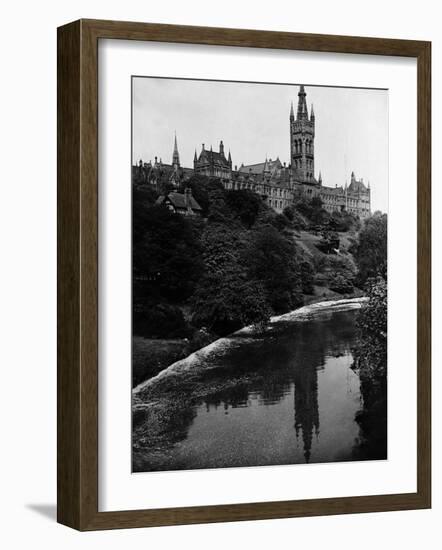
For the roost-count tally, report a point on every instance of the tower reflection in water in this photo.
(259, 402)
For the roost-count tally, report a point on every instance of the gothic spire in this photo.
(292, 114)
(302, 104)
(175, 156)
(312, 114)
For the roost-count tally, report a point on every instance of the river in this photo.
(287, 396)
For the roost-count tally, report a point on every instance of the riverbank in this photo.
(304, 313)
(150, 356)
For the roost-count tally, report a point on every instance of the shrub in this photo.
(340, 283)
(339, 272)
(160, 321)
(307, 277)
(295, 218)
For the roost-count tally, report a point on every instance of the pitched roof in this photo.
(356, 185)
(179, 200)
(333, 190)
(260, 166)
(213, 156)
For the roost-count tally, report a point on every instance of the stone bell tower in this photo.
(302, 140)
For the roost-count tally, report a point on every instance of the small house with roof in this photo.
(181, 203)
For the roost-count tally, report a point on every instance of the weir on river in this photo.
(288, 395)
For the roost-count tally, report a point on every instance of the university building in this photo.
(276, 182)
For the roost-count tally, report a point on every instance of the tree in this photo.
(342, 272)
(312, 209)
(245, 205)
(371, 252)
(225, 298)
(202, 186)
(166, 254)
(343, 221)
(273, 260)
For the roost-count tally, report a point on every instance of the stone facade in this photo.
(213, 164)
(276, 182)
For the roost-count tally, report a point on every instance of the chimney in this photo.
(187, 197)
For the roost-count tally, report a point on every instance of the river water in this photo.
(289, 396)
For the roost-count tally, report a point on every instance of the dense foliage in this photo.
(237, 265)
(371, 362)
(371, 252)
(273, 260)
(166, 253)
(202, 187)
(225, 299)
(372, 325)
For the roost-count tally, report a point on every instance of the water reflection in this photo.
(288, 397)
(306, 406)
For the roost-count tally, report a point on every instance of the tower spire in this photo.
(292, 114)
(175, 155)
(302, 104)
(302, 141)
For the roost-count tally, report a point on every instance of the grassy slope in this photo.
(150, 356)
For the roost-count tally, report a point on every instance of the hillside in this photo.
(199, 277)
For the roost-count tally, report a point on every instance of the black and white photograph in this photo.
(259, 274)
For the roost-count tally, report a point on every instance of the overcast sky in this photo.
(252, 119)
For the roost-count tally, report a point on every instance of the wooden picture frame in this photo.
(78, 274)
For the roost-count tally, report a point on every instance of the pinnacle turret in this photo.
(302, 104)
(175, 155)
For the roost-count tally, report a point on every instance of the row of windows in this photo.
(278, 203)
(297, 163)
(297, 144)
(274, 191)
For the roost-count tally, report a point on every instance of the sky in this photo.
(252, 119)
